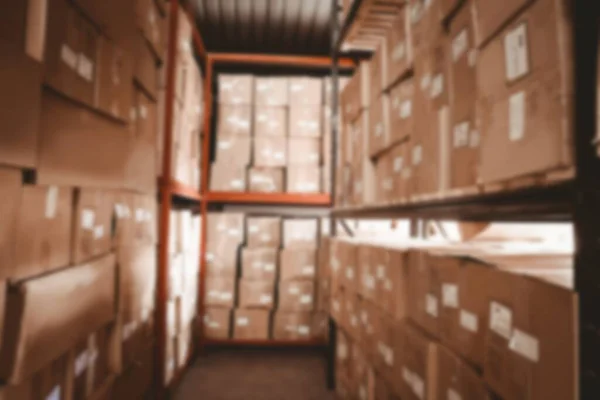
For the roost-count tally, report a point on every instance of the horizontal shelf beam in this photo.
(308, 200)
(179, 189)
(291, 61)
(265, 343)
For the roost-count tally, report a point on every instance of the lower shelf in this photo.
(265, 342)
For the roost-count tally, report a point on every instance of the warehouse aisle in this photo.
(256, 374)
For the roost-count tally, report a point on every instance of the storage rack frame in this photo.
(576, 199)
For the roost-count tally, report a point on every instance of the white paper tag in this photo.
(461, 135)
(425, 82)
(459, 44)
(526, 345)
(405, 109)
(304, 330)
(342, 351)
(269, 267)
(469, 321)
(214, 325)
(501, 320)
(399, 52)
(81, 363)
(308, 270)
(431, 305)
(99, 232)
(450, 295)
(417, 155)
(306, 299)
(55, 394)
(437, 86)
(398, 163)
(143, 112)
(452, 394)
(350, 273)
(253, 228)
(265, 299)
(236, 184)
(85, 67)
(242, 321)
(418, 386)
(407, 376)
(51, 202)
(88, 218)
(68, 56)
(380, 272)
(388, 285)
(516, 53)
(226, 296)
(294, 290)
(224, 144)
(516, 116)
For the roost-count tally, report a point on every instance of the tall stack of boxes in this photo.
(77, 173)
(442, 321)
(259, 121)
(456, 97)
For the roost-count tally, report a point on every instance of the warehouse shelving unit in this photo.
(574, 197)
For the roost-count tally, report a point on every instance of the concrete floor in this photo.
(251, 374)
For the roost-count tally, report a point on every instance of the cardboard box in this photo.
(425, 25)
(270, 151)
(356, 95)
(305, 91)
(256, 293)
(152, 24)
(220, 292)
(36, 338)
(400, 170)
(305, 121)
(234, 120)
(217, 323)
(300, 233)
(351, 313)
(271, 91)
(221, 258)
(304, 151)
(392, 282)
(228, 224)
(235, 89)
(348, 258)
(384, 189)
(145, 225)
(14, 27)
(237, 148)
(399, 55)
(401, 110)
(526, 130)
(225, 177)
(366, 271)
(297, 264)
(114, 74)
(145, 70)
(336, 305)
(490, 18)
(418, 365)
(42, 237)
(521, 336)
(92, 225)
(324, 289)
(378, 71)
(320, 326)
(251, 324)
(296, 296)
(369, 319)
(379, 119)
(270, 121)
(263, 232)
(21, 77)
(302, 179)
(456, 379)
(265, 180)
(11, 188)
(259, 263)
(292, 325)
(137, 279)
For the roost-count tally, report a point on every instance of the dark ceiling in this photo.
(264, 26)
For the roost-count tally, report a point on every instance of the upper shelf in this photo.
(307, 200)
(179, 189)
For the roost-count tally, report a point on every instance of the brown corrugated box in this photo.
(259, 263)
(348, 257)
(336, 306)
(296, 295)
(356, 95)
(351, 313)
(300, 233)
(524, 80)
(137, 279)
(145, 70)
(10, 186)
(378, 71)
(251, 324)
(235, 150)
(369, 319)
(389, 352)
(234, 120)
(20, 112)
(271, 91)
(305, 91)
(217, 323)
(401, 110)
(455, 378)
(227, 177)
(92, 219)
(256, 293)
(379, 128)
(270, 151)
(301, 179)
(297, 264)
(265, 180)
(425, 25)
(235, 89)
(399, 56)
(292, 325)
(123, 206)
(30, 344)
(366, 265)
(42, 240)
(114, 72)
(304, 151)
(228, 224)
(263, 232)
(221, 257)
(270, 121)
(144, 216)
(220, 292)
(419, 367)
(152, 24)
(392, 282)
(400, 170)
(490, 18)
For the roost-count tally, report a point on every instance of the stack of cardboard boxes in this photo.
(77, 161)
(446, 322)
(269, 135)
(459, 95)
(274, 294)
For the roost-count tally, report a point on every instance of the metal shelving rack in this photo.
(576, 199)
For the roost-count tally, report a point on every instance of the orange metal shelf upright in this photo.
(315, 200)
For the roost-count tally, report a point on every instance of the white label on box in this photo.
(362, 393)
(459, 44)
(233, 232)
(516, 116)
(294, 290)
(308, 270)
(81, 363)
(265, 299)
(253, 228)
(474, 139)
(265, 237)
(336, 305)
(370, 282)
(210, 257)
(133, 114)
(418, 386)
(214, 294)
(87, 219)
(242, 321)
(51, 202)
(257, 265)
(224, 144)
(450, 295)
(452, 394)
(269, 267)
(469, 321)
(55, 394)
(139, 215)
(399, 52)
(388, 356)
(122, 211)
(279, 155)
(99, 232)
(85, 67)
(350, 273)
(388, 285)
(379, 129)
(380, 272)
(306, 299)
(68, 56)
(472, 60)
(304, 330)
(353, 320)
(398, 163)
(214, 325)
(431, 305)
(417, 155)
(425, 82)
(526, 345)
(93, 357)
(516, 53)
(236, 184)
(407, 375)
(143, 112)
(406, 109)
(387, 184)
(501, 320)
(226, 296)
(461, 135)
(437, 86)
(342, 351)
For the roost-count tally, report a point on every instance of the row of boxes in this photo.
(483, 304)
